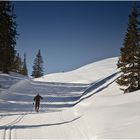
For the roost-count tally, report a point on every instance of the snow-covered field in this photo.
(82, 104)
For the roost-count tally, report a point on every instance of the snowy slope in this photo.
(86, 74)
(6, 80)
(82, 104)
(58, 94)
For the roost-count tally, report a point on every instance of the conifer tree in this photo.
(17, 64)
(8, 35)
(38, 66)
(24, 69)
(129, 60)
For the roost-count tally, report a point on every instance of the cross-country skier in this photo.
(37, 99)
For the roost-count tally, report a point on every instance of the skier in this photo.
(37, 99)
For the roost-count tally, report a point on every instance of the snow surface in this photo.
(82, 104)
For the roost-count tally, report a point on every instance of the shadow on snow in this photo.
(36, 126)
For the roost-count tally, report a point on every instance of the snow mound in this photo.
(7, 80)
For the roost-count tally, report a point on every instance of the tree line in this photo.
(10, 59)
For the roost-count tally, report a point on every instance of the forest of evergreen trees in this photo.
(10, 60)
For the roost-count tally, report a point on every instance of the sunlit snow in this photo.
(82, 104)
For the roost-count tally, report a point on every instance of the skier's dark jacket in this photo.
(37, 98)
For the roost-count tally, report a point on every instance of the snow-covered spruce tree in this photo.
(129, 60)
(8, 35)
(38, 66)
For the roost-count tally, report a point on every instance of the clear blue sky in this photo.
(70, 34)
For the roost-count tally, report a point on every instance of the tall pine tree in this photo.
(17, 64)
(38, 66)
(129, 60)
(8, 35)
(24, 68)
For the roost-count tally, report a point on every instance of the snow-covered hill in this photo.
(86, 74)
(82, 104)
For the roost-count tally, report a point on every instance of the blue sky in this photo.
(70, 34)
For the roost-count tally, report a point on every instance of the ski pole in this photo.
(33, 107)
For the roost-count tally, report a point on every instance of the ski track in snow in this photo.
(9, 128)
